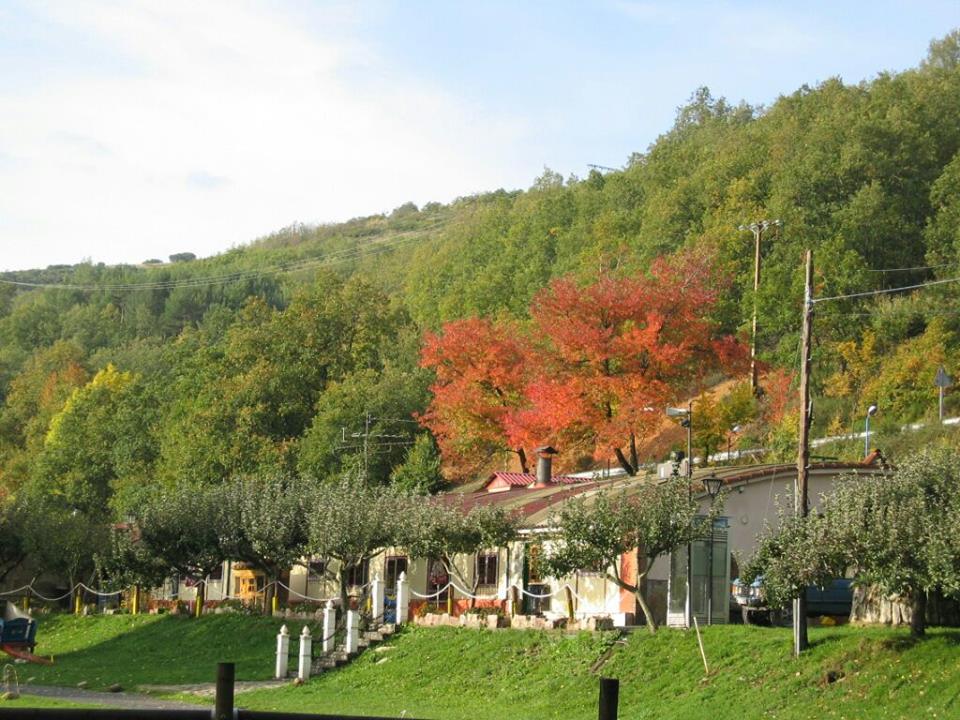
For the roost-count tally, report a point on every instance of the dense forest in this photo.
(302, 352)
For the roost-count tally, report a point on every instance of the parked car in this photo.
(833, 599)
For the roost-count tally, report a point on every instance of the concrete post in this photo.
(306, 654)
(283, 652)
(403, 598)
(329, 626)
(376, 596)
(353, 632)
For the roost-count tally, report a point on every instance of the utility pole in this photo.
(757, 228)
(800, 501)
(381, 441)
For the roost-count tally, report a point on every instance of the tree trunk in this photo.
(344, 597)
(634, 459)
(524, 467)
(647, 615)
(918, 619)
(624, 463)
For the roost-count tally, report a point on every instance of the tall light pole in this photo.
(712, 485)
(687, 422)
(866, 438)
(757, 228)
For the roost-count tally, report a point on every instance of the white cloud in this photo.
(223, 121)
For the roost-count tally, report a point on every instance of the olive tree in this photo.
(594, 532)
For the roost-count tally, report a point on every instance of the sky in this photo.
(141, 128)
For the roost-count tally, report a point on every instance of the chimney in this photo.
(544, 466)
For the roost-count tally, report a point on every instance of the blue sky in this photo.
(137, 129)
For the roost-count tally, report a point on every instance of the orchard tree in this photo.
(12, 548)
(350, 521)
(901, 534)
(445, 529)
(272, 522)
(595, 532)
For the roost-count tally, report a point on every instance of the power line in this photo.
(887, 291)
(907, 269)
(333, 258)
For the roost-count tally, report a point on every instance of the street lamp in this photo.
(866, 439)
(733, 431)
(712, 485)
(757, 228)
(687, 422)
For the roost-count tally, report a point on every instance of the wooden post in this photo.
(800, 499)
(223, 707)
(26, 602)
(609, 697)
(77, 600)
(450, 600)
(198, 604)
(514, 601)
(135, 601)
(570, 613)
(274, 603)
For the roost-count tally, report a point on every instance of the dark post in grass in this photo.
(223, 709)
(609, 695)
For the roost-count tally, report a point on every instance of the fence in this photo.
(224, 709)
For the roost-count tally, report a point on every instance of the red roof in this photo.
(514, 479)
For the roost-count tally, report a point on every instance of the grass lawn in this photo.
(448, 673)
(152, 649)
(34, 701)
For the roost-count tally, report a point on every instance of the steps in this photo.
(339, 657)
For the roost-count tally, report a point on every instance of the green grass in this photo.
(448, 673)
(35, 701)
(152, 649)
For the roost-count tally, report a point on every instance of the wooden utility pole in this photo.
(800, 501)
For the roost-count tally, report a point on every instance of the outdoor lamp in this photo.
(866, 437)
(712, 485)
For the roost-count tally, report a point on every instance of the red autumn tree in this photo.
(612, 354)
(480, 371)
(600, 364)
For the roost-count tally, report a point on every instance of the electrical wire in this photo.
(887, 291)
(333, 258)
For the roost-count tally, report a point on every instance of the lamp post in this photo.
(866, 439)
(712, 485)
(687, 422)
(733, 431)
(757, 228)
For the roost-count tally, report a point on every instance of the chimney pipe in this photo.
(544, 466)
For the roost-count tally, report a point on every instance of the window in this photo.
(535, 563)
(394, 566)
(357, 574)
(316, 569)
(487, 569)
(218, 573)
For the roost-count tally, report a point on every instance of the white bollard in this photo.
(306, 654)
(283, 652)
(403, 598)
(353, 632)
(329, 627)
(376, 591)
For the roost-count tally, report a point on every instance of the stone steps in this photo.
(340, 657)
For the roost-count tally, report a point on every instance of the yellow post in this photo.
(198, 606)
(77, 602)
(515, 600)
(274, 603)
(570, 612)
(26, 603)
(450, 600)
(135, 601)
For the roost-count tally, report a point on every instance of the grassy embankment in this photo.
(447, 673)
